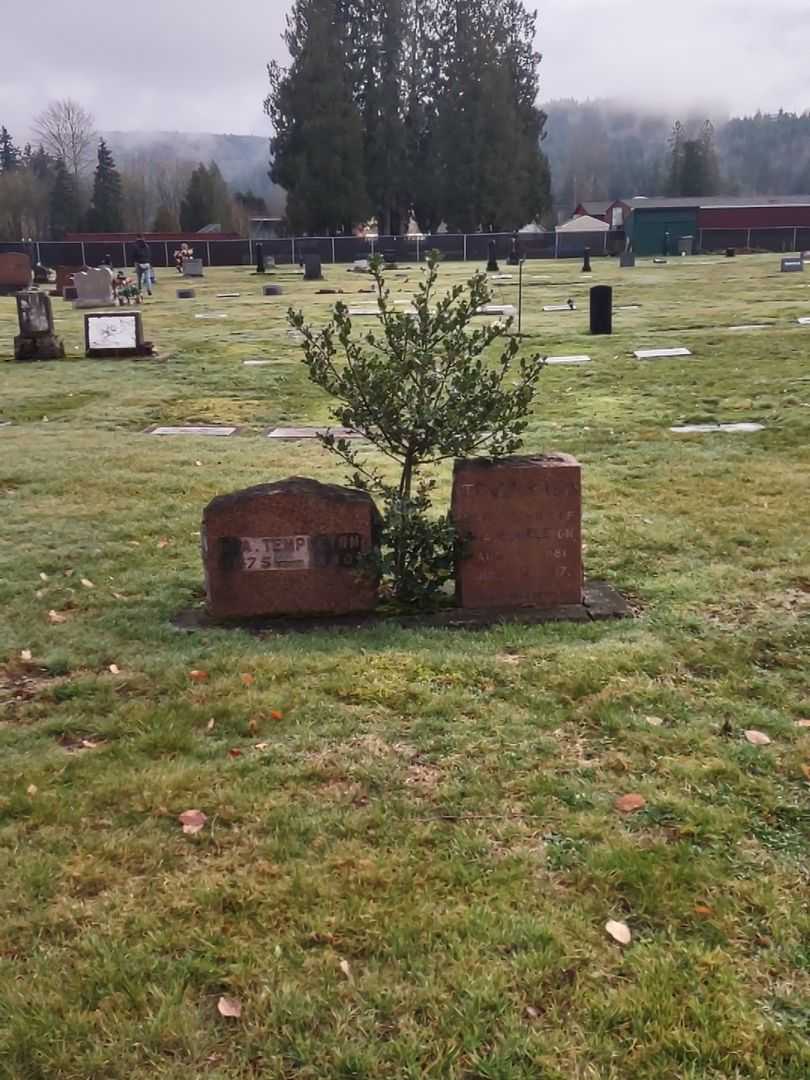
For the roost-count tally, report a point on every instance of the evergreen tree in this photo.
(9, 154)
(106, 209)
(694, 168)
(64, 203)
(207, 200)
(165, 221)
(317, 150)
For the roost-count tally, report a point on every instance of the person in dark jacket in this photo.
(142, 258)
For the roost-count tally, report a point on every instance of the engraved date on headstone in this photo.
(276, 553)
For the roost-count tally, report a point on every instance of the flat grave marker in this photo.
(792, 266)
(700, 429)
(660, 354)
(212, 315)
(751, 326)
(228, 295)
(118, 336)
(193, 268)
(567, 360)
(804, 320)
(497, 309)
(560, 307)
(217, 431)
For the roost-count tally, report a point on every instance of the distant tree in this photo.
(194, 213)
(65, 204)
(250, 203)
(165, 220)
(66, 130)
(694, 168)
(106, 207)
(317, 151)
(9, 154)
(40, 163)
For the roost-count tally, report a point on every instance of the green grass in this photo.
(435, 809)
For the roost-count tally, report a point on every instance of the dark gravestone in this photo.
(731, 253)
(296, 547)
(602, 309)
(15, 273)
(627, 259)
(665, 244)
(792, 266)
(186, 294)
(259, 259)
(70, 292)
(520, 521)
(492, 265)
(272, 290)
(312, 268)
(586, 261)
(36, 339)
(514, 251)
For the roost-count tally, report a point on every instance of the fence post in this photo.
(795, 239)
(748, 240)
(334, 260)
(166, 251)
(418, 256)
(292, 242)
(465, 247)
(39, 257)
(250, 250)
(556, 244)
(84, 260)
(124, 252)
(208, 250)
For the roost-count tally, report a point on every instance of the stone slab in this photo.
(560, 307)
(600, 602)
(312, 433)
(212, 315)
(364, 312)
(508, 310)
(257, 363)
(751, 326)
(295, 547)
(272, 290)
(567, 360)
(186, 294)
(520, 523)
(15, 272)
(193, 268)
(804, 320)
(118, 335)
(629, 307)
(702, 429)
(194, 429)
(660, 354)
(228, 295)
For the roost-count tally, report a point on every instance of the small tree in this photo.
(422, 391)
(106, 210)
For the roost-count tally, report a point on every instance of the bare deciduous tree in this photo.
(66, 130)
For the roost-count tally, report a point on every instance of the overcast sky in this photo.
(200, 65)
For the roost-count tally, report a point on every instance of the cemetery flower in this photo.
(423, 388)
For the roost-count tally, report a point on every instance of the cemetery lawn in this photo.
(412, 846)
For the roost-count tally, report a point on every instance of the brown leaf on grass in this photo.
(628, 804)
(261, 746)
(88, 584)
(198, 676)
(253, 726)
(619, 931)
(346, 968)
(119, 596)
(703, 911)
(193, 821)
(43, 577)
(234, 752)
(31, 790)
(510, 658)
(654, 721)
(26, 655)
(210, 725)
(806, 772)
(532, 1013)
(228, 1006)
(757, 738)
(56, 617)
(163, 543)
(247, 678)
(276, 714)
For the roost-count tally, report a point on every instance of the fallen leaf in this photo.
(198, 463)
(210, 725)
(803, 723)
(234, 752)
(806, 771)
(253, 727)
(88, 584)
(757, 738)
(532, 1013)
(703, 910)
(276, 714)
(345, 967)
(198, 676)
(628, 804)
(619, 931)
(56, 617)
(261, 746)
(114, 669)
(26, 655)
(192, 821)
(68, 573)
(655, 721)
(32, 789)
(247, 679)
(228, 1006)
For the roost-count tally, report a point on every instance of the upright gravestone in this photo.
(94, 288)
(627, 260)
(492, 265)
(792, 266)
(15, 273)
(520, 522)
(514, 251)
(665, 244)
(686, 245)
(731, 253)
(259, 259)
(36, 339)
(117, 336)
(586, 261)
(601, 309)
(295, 547)
(193, 268)
(312, 268)
(64, 277)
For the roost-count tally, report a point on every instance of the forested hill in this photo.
(605, 150)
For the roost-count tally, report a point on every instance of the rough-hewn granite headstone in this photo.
(36, 339)
(520, 523)
(193, 268)
(15, 273)
(295, 547)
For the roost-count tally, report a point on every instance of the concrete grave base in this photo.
(29, 349)
(600, 603)
(198, 429)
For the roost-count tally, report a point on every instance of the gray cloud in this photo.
(200, 66)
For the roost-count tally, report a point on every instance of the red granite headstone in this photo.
(521, 522)
(295, 547)
(64, 277)
(15, 272)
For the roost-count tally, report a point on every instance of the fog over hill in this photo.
(242, 159)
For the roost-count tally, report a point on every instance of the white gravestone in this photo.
(193, 268)
(94, 288)
(659, 354)
(567, 360)
(199, 429)
(701, 429)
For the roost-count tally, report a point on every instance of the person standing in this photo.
(142, 258)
